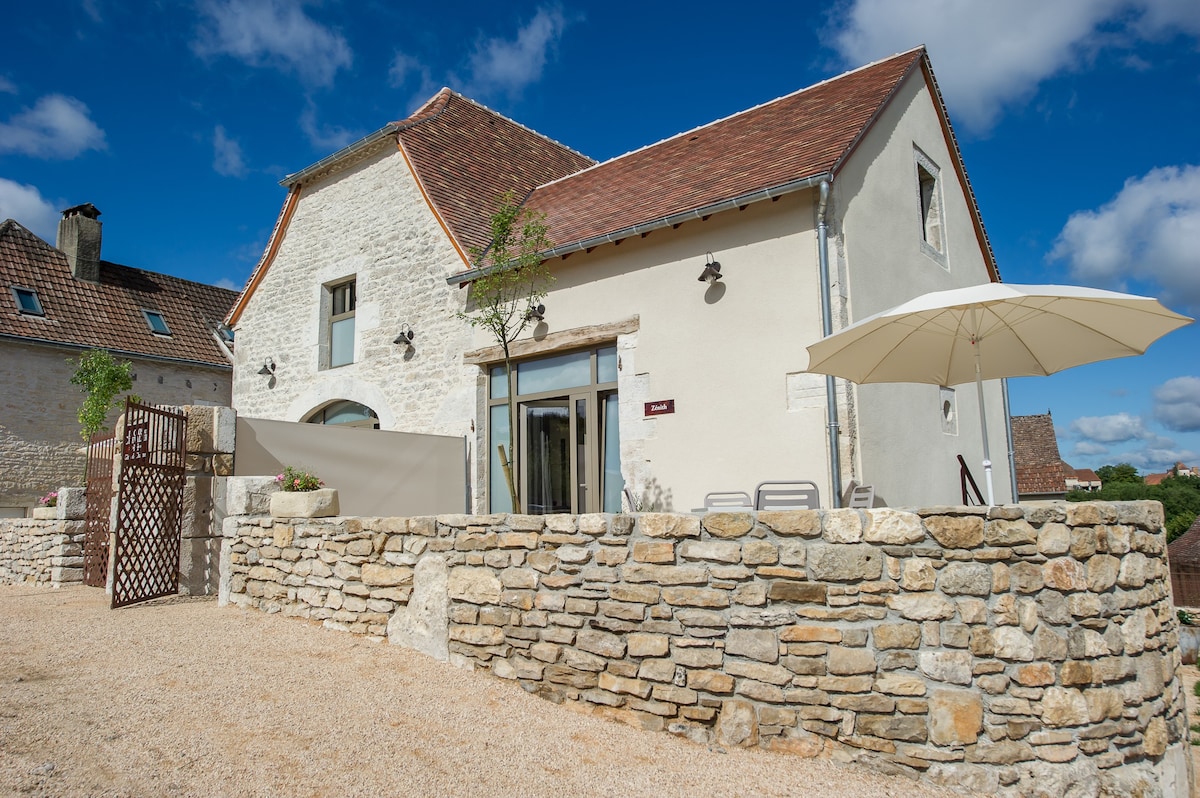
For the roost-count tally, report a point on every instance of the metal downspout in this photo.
(1012, 457)
(835, 458)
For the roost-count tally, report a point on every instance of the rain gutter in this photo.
(835, 458)
(666, 221)
(362, 144)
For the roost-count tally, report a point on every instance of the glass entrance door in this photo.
(566, 454)
(549, 460)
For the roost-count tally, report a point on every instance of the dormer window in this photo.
(158, 325)
(28, 303)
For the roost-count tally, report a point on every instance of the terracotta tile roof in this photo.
(107, 314)
(802, 135)
(1185, 549)
(466, 156)
(1035, 451)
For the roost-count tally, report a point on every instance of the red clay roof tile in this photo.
(1035, 451)
(107, 314)
(803, 135)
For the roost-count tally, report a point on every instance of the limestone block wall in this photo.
(1014, 650)
(41, 553)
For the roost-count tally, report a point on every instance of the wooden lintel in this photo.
(577, 338)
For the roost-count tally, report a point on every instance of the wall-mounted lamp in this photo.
(535, 313)
(405, 338)
(712, 270)
(268, 368)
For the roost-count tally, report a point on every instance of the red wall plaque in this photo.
(660, 408)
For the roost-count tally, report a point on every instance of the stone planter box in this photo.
(45, 513)
(320, 503)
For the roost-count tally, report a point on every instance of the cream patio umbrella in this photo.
(990, 331)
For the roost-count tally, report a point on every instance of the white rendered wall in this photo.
(723, 353)
(907, 456)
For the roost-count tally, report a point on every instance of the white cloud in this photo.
(1157, 459)
(26, 205)
(994, 54)
(403, 68)
(7, 86)
(1116, 428)
(275, 33)
(1177, 404)
(92, 9)
(1089, 449)
(324, 137)
(55, 127)
(502, 66)
(227, 155)
(1147, 232)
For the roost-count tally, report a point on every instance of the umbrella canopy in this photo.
(990, 331)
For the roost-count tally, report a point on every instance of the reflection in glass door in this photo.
(547, 458)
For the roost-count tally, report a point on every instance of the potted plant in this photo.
(301, 495)
(47, 508)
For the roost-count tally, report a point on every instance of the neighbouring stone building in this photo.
(59, 301)
(800, 215)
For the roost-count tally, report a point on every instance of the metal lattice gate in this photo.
(101, 448)
(149, 505)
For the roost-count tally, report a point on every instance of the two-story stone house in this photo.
(820, 208)
(57, 302)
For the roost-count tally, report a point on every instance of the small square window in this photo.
(27, 301)
(158, 325)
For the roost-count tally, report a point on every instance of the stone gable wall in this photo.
(42, 553)
(1007, 650)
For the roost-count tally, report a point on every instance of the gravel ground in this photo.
(180, 698)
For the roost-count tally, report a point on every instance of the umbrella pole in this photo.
(987, 456)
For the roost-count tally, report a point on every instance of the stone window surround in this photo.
(553, 343)
(325, 330)
(925, 171)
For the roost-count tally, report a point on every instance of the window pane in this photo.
(157, 323)
(553, 373)
(343, 299)
(498, 496)
(498, 386)
(27, 301)
(346, 412)
(613, 483)
(342, 342)
(606, 364)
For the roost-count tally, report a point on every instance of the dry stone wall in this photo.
(1016, 650)
(43, 553)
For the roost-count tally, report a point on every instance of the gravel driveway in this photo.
(178, 697)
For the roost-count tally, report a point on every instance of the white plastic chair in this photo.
(862, 497)
(787, 495)
(727, 499)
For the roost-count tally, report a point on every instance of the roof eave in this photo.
(345, 153)
(774, 192)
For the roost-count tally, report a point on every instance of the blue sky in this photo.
(1078, 121)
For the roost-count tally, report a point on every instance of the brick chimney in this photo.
(79, 240)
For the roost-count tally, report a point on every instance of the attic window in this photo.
(27, 301)
(158, 325)
(929, 195)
